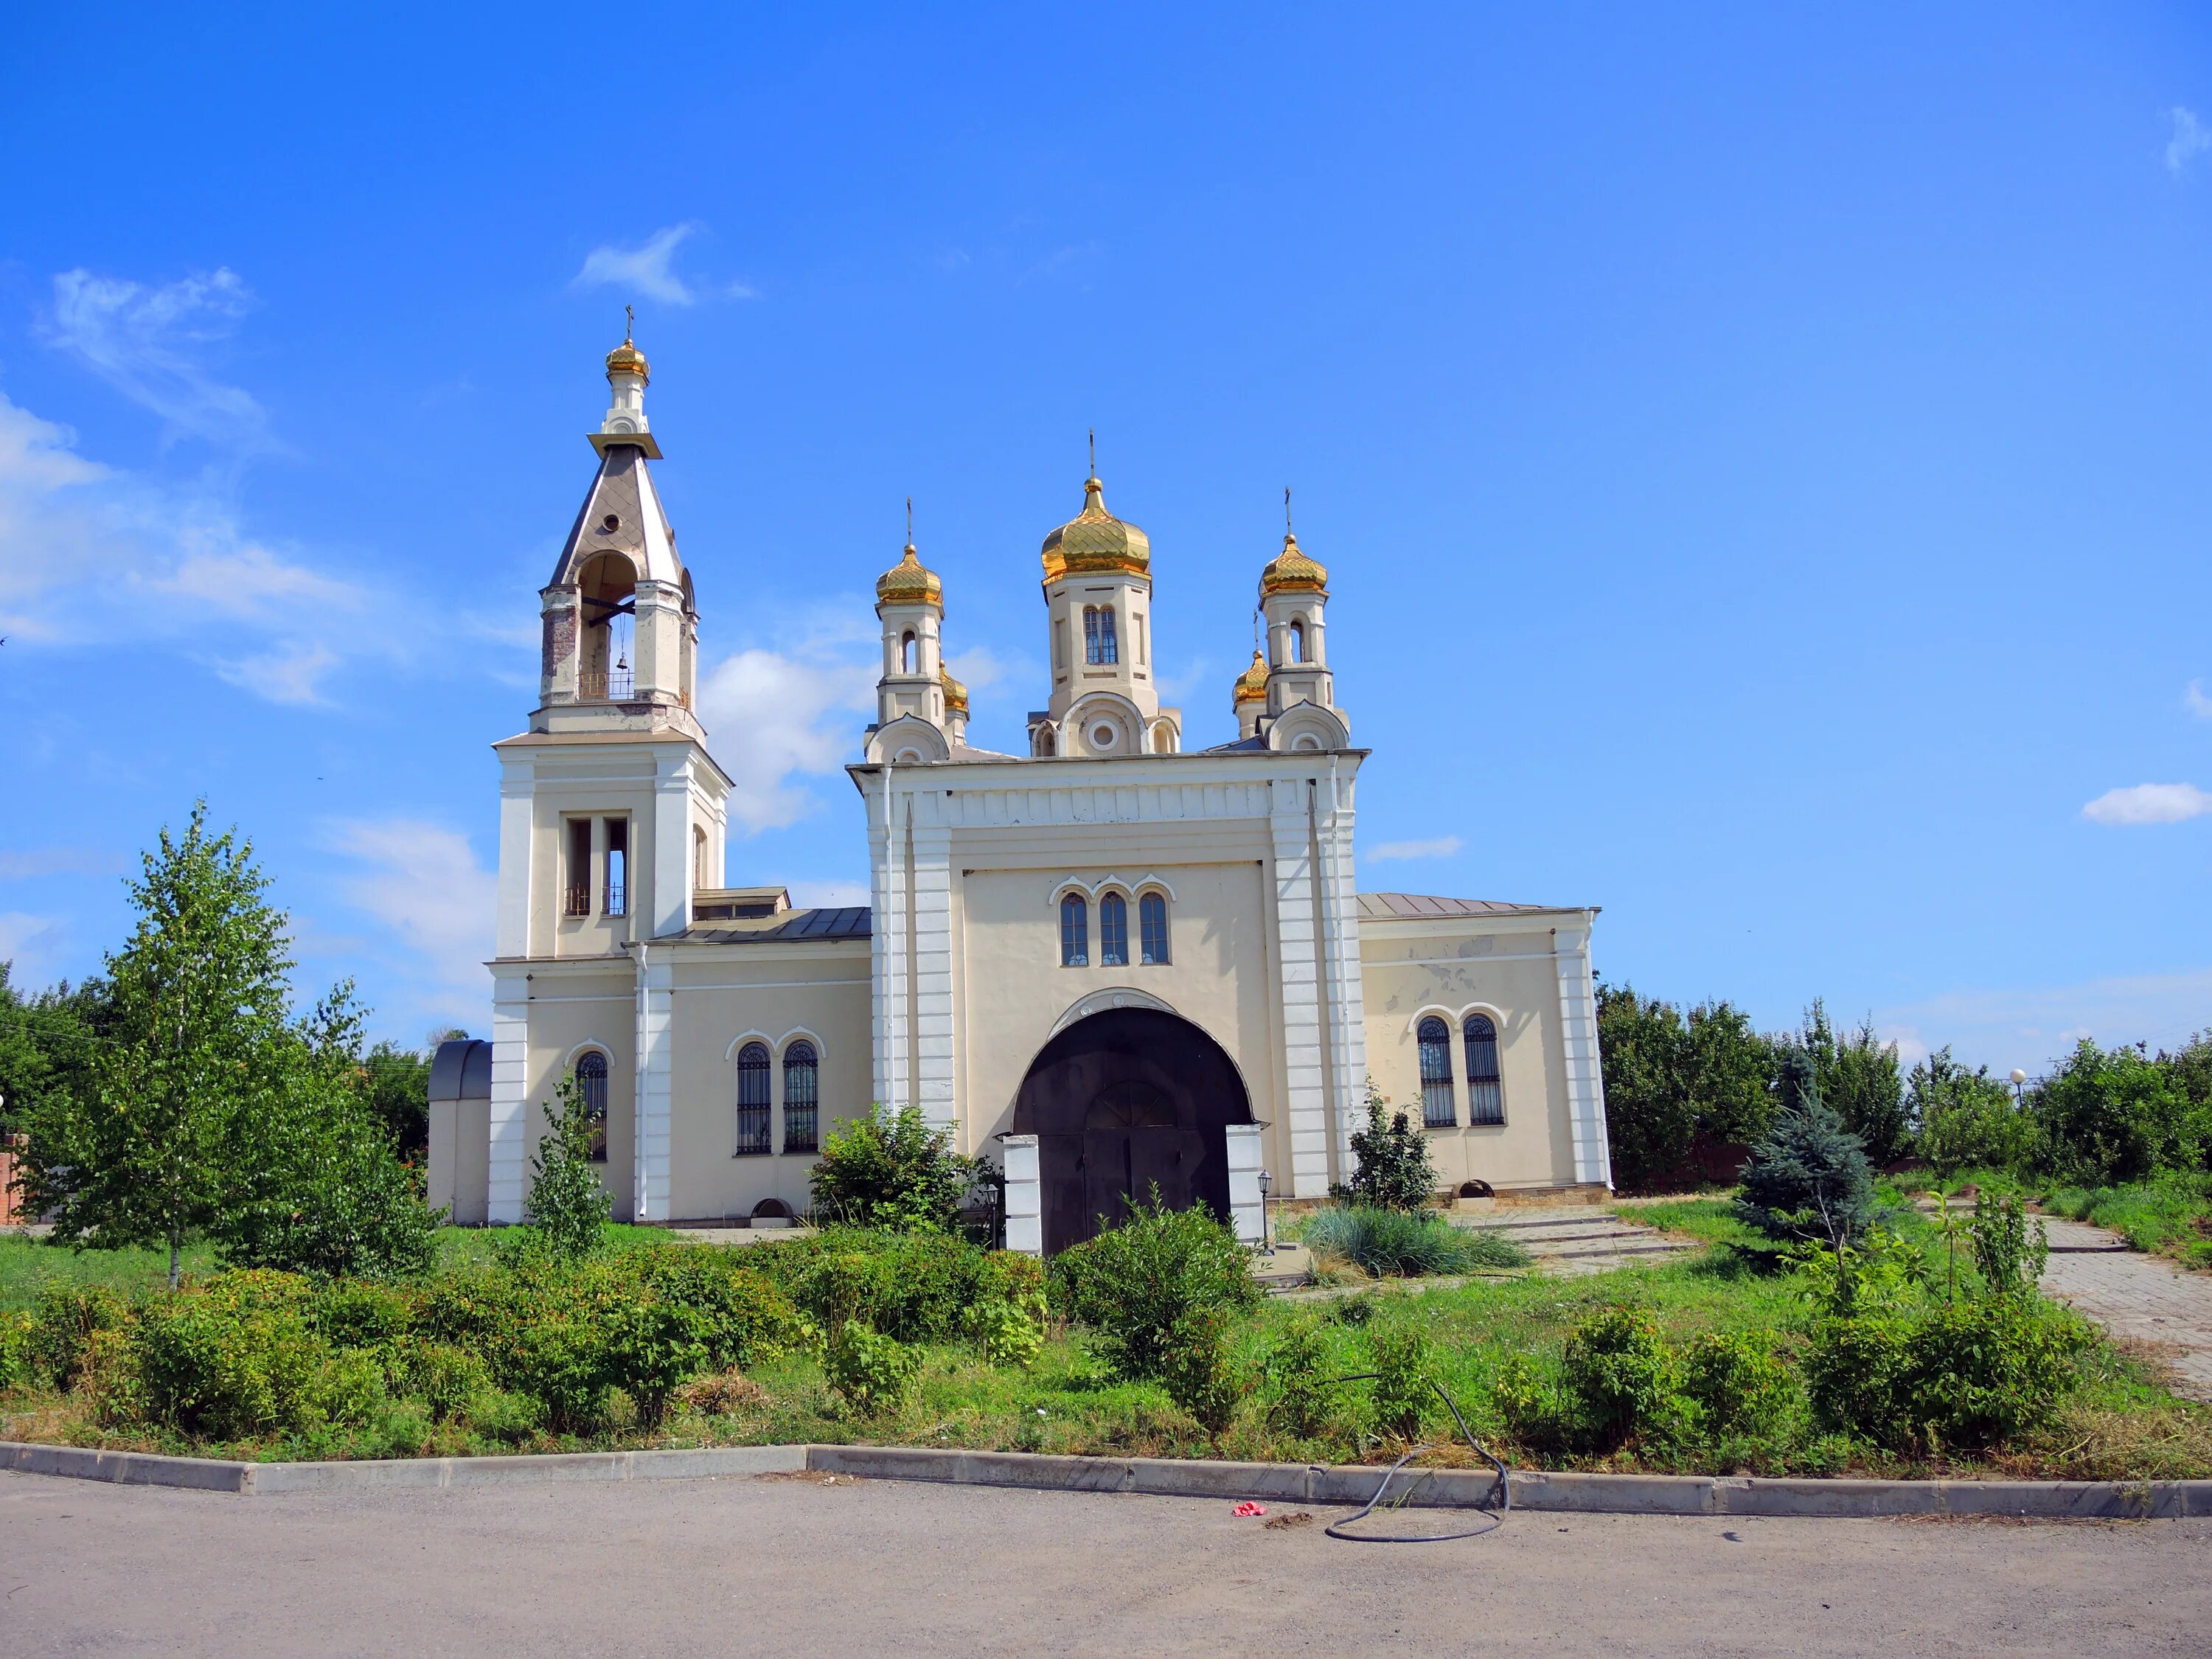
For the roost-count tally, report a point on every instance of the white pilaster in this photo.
(517, 784)
(655, 1091)
(934, 1038)
(887, 942)
(1348, 1001)
(1304, 1084)
(1245, 1201)
(1024, 1195)
(1585, 1075)
(671, 841)
(508, 1155)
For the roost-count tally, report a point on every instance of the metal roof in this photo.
(787, 927)
(1418, 907)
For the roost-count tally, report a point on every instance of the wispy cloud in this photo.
(152, 343)
(422, 881)
(649, 269)
(1443, 847)
(2194, 700)
(59, 861)
(2187, 139)
(2149, 803)
(33, 945)
(773, 714)
(2030, 1027)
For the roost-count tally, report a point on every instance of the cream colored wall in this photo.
(1010, 988)
(782, 991)
(1512, 976)
(572, 1006)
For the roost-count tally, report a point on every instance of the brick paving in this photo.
(2143, 1298)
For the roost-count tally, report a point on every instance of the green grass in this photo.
(2170, 1216)
(1391, 1243)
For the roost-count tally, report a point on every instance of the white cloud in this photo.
(424, 885)
(771, 716)
(150, 344)
(1176, 686)
(642, 270)
(292, 673)
(2149, 803)
(978, 667)
(2194, 700)
(59, 861)
(1442, 847)
(2031, 1027)
(33, 945)
(2188, 139)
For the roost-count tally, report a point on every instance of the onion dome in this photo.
(1095, 540)
(626, 359)
(1252, 684)
(1291, 572)
(907, 582)
(956, 694)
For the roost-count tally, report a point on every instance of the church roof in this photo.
(1293, 571)
(621, 491)
(789, 926)
(1418, 907)
(1095, 540)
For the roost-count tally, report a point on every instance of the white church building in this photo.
(1112, 961)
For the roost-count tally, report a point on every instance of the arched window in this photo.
(1113, 932)
(906, 654)
(1044, 740)
(801, 1087)
(592, 1085)
(1153, 928)
(1485, 1088)
(1099, 645)
(699, 858)
(1297, 641)
(752, 1100)
(1436, 1111)
(1074, 932)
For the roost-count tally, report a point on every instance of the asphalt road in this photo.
(788, 1564)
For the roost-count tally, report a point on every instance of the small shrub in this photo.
(1527, 1405)
(739, 1315)
(230, 1359)
(895, 1169)
(362, 1314)
(1301, 1400)
(1195, 1368)
(1391, 1168)
(561, 1364)
(872, 1372)
(1808, 1177)
(1963, 1376)
(1398, 1241)
(1620, 1375)
(2009, 1251)
(449, 1381)
(567, 1203)
(1403, 1360)
(1008, 1333)
(653, 1346)
(350, 1389)
(16, 1364)
(917, 1287)
(1135, 1285)
(67, 1317)
(1737, 1384)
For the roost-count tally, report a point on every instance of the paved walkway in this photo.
(795, 1565)
(2145, 1300)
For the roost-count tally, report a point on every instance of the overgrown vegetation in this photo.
(896, 1169)
(1398, 1243)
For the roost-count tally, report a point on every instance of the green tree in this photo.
(894, 1169)
(1961, 1119)
(1808, 1178)
(1859, 1082)
(567, 1203)
(396, 1082)
(1390, 1168)
(2109, 1116)
(197, 999)
(1731, 1072)
(1649, 1118)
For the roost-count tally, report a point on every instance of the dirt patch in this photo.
(1287, 1522)
(811, 1477)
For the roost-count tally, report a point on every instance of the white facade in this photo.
(1043, 930)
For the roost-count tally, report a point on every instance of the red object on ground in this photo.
(1248, 1508)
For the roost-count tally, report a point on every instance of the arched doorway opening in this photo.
(1120, 1102)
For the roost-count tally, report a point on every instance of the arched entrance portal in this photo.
(1121, 1100)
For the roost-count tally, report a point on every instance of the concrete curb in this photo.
(1164, 1477)
(212, 1474)
(1535, 1491)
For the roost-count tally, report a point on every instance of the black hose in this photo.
(1493, 1519)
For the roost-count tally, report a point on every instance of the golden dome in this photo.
(907, 582)
(1291, 572)
(626, 359)
(956, 695)
(1252, 684)
(1095, 540)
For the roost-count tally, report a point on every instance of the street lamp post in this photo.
(1266, 1181)
(2019, 1081)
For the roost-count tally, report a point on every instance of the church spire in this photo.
(627, 376)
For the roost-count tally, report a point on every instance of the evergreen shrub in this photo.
(894, 1170)
(1808, 1178)
(1391, 1168)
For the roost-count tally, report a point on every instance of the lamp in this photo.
(1266, 1181)
(2019, 1078)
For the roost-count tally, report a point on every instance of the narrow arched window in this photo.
(1044, 740)
(699, 858)
(801, 1087)
(1436, 1111)
(1153, 928)
(906, 655)
(1113, 932)
(1109, 648)
(1486, 1087)
(1074, 932)
(591, 1086)
(1297, 641)
(752, 1100)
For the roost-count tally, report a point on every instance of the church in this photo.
(1113, 962)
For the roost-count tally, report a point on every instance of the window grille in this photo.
(801, 1080)
(1107, 644)
(1485, 1088)
(1153, 928)
(752, 1100)
(1436, 1108)
(1074, 932)
(617, 881)
(592, 1085)
(1099, 646)
(576, 899)
(1113, 932)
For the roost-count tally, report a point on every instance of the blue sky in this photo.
(1763, 455)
